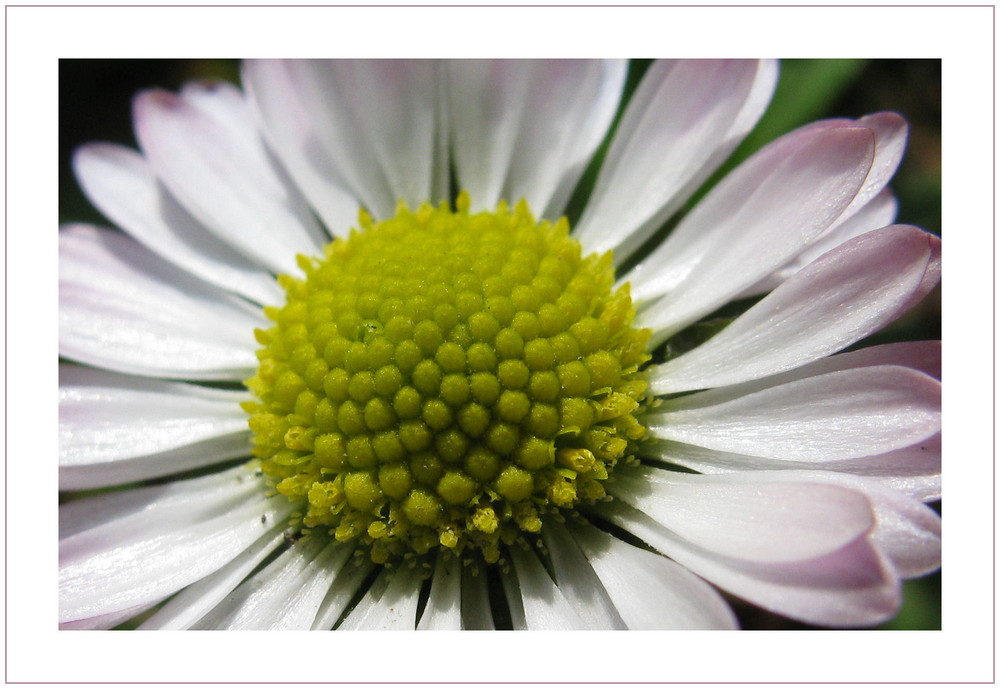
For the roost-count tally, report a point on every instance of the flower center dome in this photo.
(444, 379)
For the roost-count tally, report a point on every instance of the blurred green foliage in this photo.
(95, 101)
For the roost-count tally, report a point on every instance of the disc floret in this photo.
(445, 379)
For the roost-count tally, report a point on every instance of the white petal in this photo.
(286, 594)
(214, 162)
(123, 308)
(852, 586)
(755, 220)
(116, 429)
(906, 530)
(444, 606)
(890, 141)
(191, 604)
(914, 470)
(389, 605)
(879, 212)
(140, 551)
(749, 516)
(372, 123)
(285, 119)
(923, 356)
(77, 516)
(839, 415)
(341, 593)
(108, 621)
(486, 101)
(578, 582)
(560, 113)
(679, 120)
(664, 269)
(476, 612)
(846, 295)
(536, 603)
(121, 184)
(650, 591)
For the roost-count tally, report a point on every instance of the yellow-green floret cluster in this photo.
(444, 379)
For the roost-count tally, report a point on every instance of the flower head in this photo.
(327, 391)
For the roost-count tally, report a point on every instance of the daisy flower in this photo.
(349, 367)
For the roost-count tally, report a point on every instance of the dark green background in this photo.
(95, 102)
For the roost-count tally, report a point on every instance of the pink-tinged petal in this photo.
(670, 263)
(914, 470)
(649, 591)
(366, 126)
(214, 163)
(125, 309)
(286, 594)
(122, 185)
(906, 531)
(749, 516)
(191, 604)
(444, 605)
(157, 541)
(890, 131)
(567, 110)
(879, 212)
(676, 129)
(534, 600)
(285, 119)
(114, 429)
(845, 295)
(839, 415)
(756, 220)
(579, 582)
(389, 605)
(852, 586)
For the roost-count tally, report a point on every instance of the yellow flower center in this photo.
(444, 379)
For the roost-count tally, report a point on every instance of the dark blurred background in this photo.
(95, 105)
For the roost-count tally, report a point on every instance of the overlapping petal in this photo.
(444, 605)
(115, 429)
(120, 182)
(827, 574)
(204, 148)
(914, 470)
(665, 146)
(118, 553)
(183, 610)
(286, 594)
(525, 129)
(534, 600)
(758, 218)
(125, 309)
(370, 127)
(646, 590)
(813, 466)
(389, 605)
(845, 295)
(838, 415)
